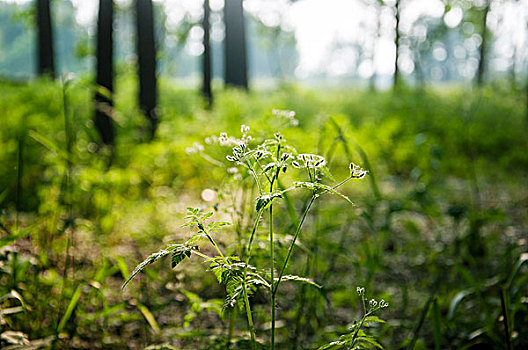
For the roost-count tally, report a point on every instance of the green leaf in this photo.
(371, 340)
(454, 303)
(299, 279)
(179, 254)
(50, 145)
(265, 200)
(152, 258)
(5, 241)
(317, 186)
(69, 310)
(373, 319)
(122, 266)
(149, 317)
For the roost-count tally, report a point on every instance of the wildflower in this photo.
(357, 172)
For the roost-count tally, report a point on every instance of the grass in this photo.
(436, 230)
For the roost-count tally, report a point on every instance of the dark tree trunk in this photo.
(235, 44)
(105, 73)
(46, 60)
(146, 54)
(483, 46)
(396, 76)
(206, 63)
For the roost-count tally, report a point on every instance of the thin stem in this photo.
(201, 254)
(202, 227)
(272, 274)
(292, 244)
(365, 315)
(253, 172)
(507, 333)
(246, 298)
(272, 256)
(249, 317)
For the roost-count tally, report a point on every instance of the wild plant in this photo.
(267, 163)
(356, 338)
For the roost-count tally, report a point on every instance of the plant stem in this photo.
(202, 227)
(272, 258)
(246, 298)
(272, 274)
(249, 317)
(507, 333)
(290, 250)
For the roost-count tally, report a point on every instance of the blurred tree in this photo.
(146, 55)
(105, 72)
(235, 44)
(396, 42)
(206, 56)
(46, 60)
(483, 45)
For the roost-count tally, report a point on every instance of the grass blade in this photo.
(149, 317)
(71, 306)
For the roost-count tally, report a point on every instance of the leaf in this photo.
(264, 200)
(122, 266)
(316, 186)
(371, 340)
(178, 256)
(437, 330)
(152, 258)
(454, 303)
(5, 241)
(69, 310)
(331, 345)
(44, 141)
(149, 317)
(299, 279)
(373, 319)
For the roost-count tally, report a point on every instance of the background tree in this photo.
(483, 45)
(45, 54)
(206, 57)
(397, 9)
(235, 44)
(146, 55)
(105, 72)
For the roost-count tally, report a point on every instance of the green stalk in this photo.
(272, 274)
(202, 227)
(272, 258)
(290, 249)
(249, 318)
(246, 298)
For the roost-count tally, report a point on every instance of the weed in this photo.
(267, 162)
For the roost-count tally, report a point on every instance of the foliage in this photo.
(437, 226)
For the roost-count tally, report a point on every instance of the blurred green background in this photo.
(439, 226)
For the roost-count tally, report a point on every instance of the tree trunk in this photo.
(105, 73)
(46, 60)
(483, 45)
(146, 55)
(235, 44)
(397, 44)
(206, 58)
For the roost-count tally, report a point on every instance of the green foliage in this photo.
(437, 226)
